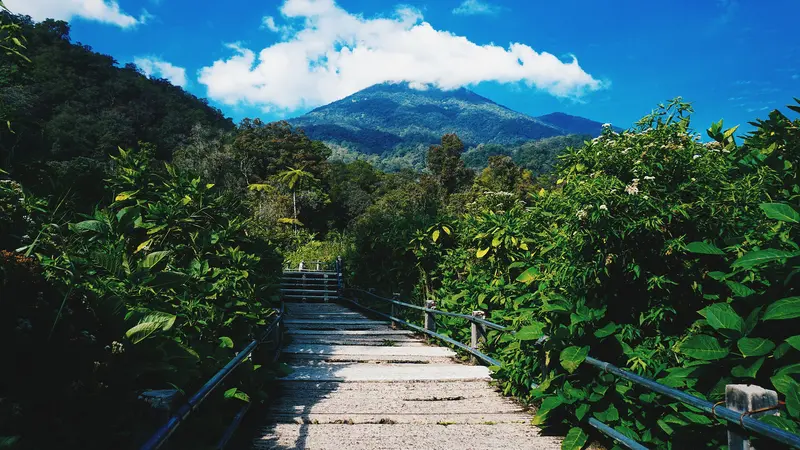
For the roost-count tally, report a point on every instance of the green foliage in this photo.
(446, 165)
(70, 108)
(670, 257)
(157, 289)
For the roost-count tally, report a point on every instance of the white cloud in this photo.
(335, 53)
(106, 11)
(476, 7)
(268, 22)
(156, 67)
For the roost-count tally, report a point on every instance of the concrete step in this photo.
(333, 322)
(388, 402)
(335, 325)
(388, 372)
(401, 391)
(379, 342)
(360, 333)
(404, 436)
(383, 417)
(350, 350)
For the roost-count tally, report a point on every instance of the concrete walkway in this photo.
(358, 384)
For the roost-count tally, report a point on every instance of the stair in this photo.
(359, 384)
(310, 286)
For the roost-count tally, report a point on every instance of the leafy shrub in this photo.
(670, 257)
(156, 290)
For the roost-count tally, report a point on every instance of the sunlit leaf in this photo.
(703, 248)
(780, 211)
(787, 308)
(572, 357)
(149, 324)
(703, 347)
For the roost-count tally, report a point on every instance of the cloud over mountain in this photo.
(106, 11)
(328, 53)
(152, 66)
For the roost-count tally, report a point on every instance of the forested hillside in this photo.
(73, 107)
(142, 235)
(393, 124)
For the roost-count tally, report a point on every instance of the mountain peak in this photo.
(388, 117)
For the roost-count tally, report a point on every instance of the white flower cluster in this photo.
(633, 188)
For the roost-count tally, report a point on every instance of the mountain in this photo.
(394, 118)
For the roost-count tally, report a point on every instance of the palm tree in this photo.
(294, 179)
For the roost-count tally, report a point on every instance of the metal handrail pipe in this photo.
(466, 348)
(474, 319)
(741, 419)
(160, 437)
(616, 435)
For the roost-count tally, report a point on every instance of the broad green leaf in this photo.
(782, 350)
(755, 346)
(122, 196)
(435, 235)
(742, 371)
(793, 399)
(794, 341)
(787, 308)
(780, 211)
(789, 370)
(703, 347)
(782, 383)
(781, 422)
(575, 439)
(143, 245)
(581, 410)
(739, 290)
(572, 357)
(481, 253)
(237, 394)
(167, 279)
(609, 415)
(607, 330)
(446, 229)
(729, 132)
(759, 257)
(149, 324)
(698, 419)
(152, 259)
(703, 248)
(94, 226)
(528, 276)
(530, 332)
(225, 342)
(722, 316)
(719, 276)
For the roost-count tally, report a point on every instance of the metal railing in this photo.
(163, 434)
(735, 418)
(313, 266)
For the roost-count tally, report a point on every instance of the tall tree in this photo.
(296, 179)
(446, 165)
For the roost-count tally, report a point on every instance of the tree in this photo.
(295, 179)
(502, 175)
(446, 165)
(275, 146)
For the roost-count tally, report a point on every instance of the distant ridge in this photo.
(391, 118)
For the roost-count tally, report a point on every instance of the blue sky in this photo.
(734, 59)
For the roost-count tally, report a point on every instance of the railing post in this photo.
(430, 318)
(395, 296)
(478, 337)
(340, 274)
(746, 398)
